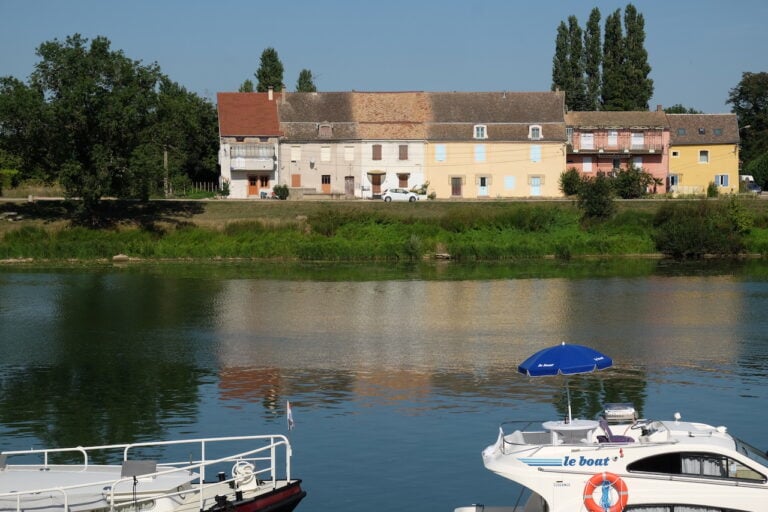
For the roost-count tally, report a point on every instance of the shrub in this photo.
(570, 181)
(692, 230)
(281, 191)
(712, 190)
(596, 197)
(632, 183)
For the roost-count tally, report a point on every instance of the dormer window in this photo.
(681, 131)
(480, 131)
(717, 131)
(325, 131)
(702, 131)
(534, 132)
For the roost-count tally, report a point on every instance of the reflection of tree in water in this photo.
(113, 375)
(590, 392)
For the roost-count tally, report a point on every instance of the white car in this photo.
(399, 194)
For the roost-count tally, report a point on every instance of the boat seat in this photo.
(609, 437)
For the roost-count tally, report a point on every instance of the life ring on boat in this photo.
(606, 481)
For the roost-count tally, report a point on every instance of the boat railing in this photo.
(262, 459)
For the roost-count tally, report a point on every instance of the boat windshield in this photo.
(753, 453)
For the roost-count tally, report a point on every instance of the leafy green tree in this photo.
(24, 128)
(679, 108)
(570, 181)
(592, 60)
(749, 101)
(612, 89)
(246, 86)
(305, 83)
(632, 183)
(270, 72)
(100, 102)
(639, 87)
(757, 167)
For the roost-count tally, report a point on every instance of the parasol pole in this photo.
(568, 396)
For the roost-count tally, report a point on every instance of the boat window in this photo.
(750, 451)
(676, 508)
(696, 464)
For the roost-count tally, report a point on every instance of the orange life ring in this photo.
(605, 480)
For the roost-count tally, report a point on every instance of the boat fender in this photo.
(608, 501)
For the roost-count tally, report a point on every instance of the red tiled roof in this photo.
(248, 114)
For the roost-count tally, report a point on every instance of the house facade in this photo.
(496, 145)
(249, 143)
(704, 149)
(604, 141)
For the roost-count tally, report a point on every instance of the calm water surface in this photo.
(396, 383)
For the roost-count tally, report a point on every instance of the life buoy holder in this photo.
(607, 503)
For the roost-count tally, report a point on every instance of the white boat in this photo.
(242, 474)
(623, 464)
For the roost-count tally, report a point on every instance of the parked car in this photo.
(399, 194)
(754, 187)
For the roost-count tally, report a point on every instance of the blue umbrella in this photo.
(564, 360)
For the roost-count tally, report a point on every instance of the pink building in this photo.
(604, 141)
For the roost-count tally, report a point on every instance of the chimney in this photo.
(270, 93)
(659, 108)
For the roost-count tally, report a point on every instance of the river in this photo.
(398, 376)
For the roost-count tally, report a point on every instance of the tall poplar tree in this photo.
(270, 72)
(305, 83)
(613, 82)
(575, 96)
(560, 60)
(592, 60)
(638, 86)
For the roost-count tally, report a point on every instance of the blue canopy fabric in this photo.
(565, 360)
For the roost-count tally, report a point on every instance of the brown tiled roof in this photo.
(301, 114)
(703, 129)
(391, 115)
(498, 107)
(247, 114)
(610, 119)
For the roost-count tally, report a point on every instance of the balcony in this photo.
(252, 164)
(252, 157)
(624, 143)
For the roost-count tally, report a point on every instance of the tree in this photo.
(246, 86)
(560, 60)
(679, 108)
(612, 89)
(596, 197)
(592, 61)
(749, 100)
(305, 83)
(575, 95)
(638, 86)
(23, 129)
(270, 72)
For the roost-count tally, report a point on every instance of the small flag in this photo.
(289, 415)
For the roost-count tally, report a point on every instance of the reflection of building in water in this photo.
(251, 385)
(393, 385)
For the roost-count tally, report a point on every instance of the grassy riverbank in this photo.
(346, 231)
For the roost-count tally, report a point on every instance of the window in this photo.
(681, 131)
(637, 140)
(586, 164)
(480, 131)
(325, 179)
(295, 153)
(721, 180)
(376, 152)
(325, 153)
(702, 131)
(637, 162)
(569, 134)
(440, 153)
(534, 132)
(675, 154)
(535, 153)
(704, 156)
(674, 180)
(705, 465)
(588, 140)
(349, 153)
(402, 152)
(260, 151)
(616, 164)
(509, 182)
(402, 179)
(479, 152)
(325, 131)
(717, 132)
(613, 138)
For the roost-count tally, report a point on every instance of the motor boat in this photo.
(237, 474)
(619, 463)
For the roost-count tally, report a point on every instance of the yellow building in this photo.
(704, 149)
(495, 145)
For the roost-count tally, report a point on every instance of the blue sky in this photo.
(698, 49)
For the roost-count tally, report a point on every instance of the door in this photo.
(349, 186)
(376, 185)
(326, 183)
(456, 187)
(482, 186)
(535, 185)
(296, 180)
(253, 185)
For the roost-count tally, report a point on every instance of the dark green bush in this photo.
(596, 197)
(570, 181)
(693, 230)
